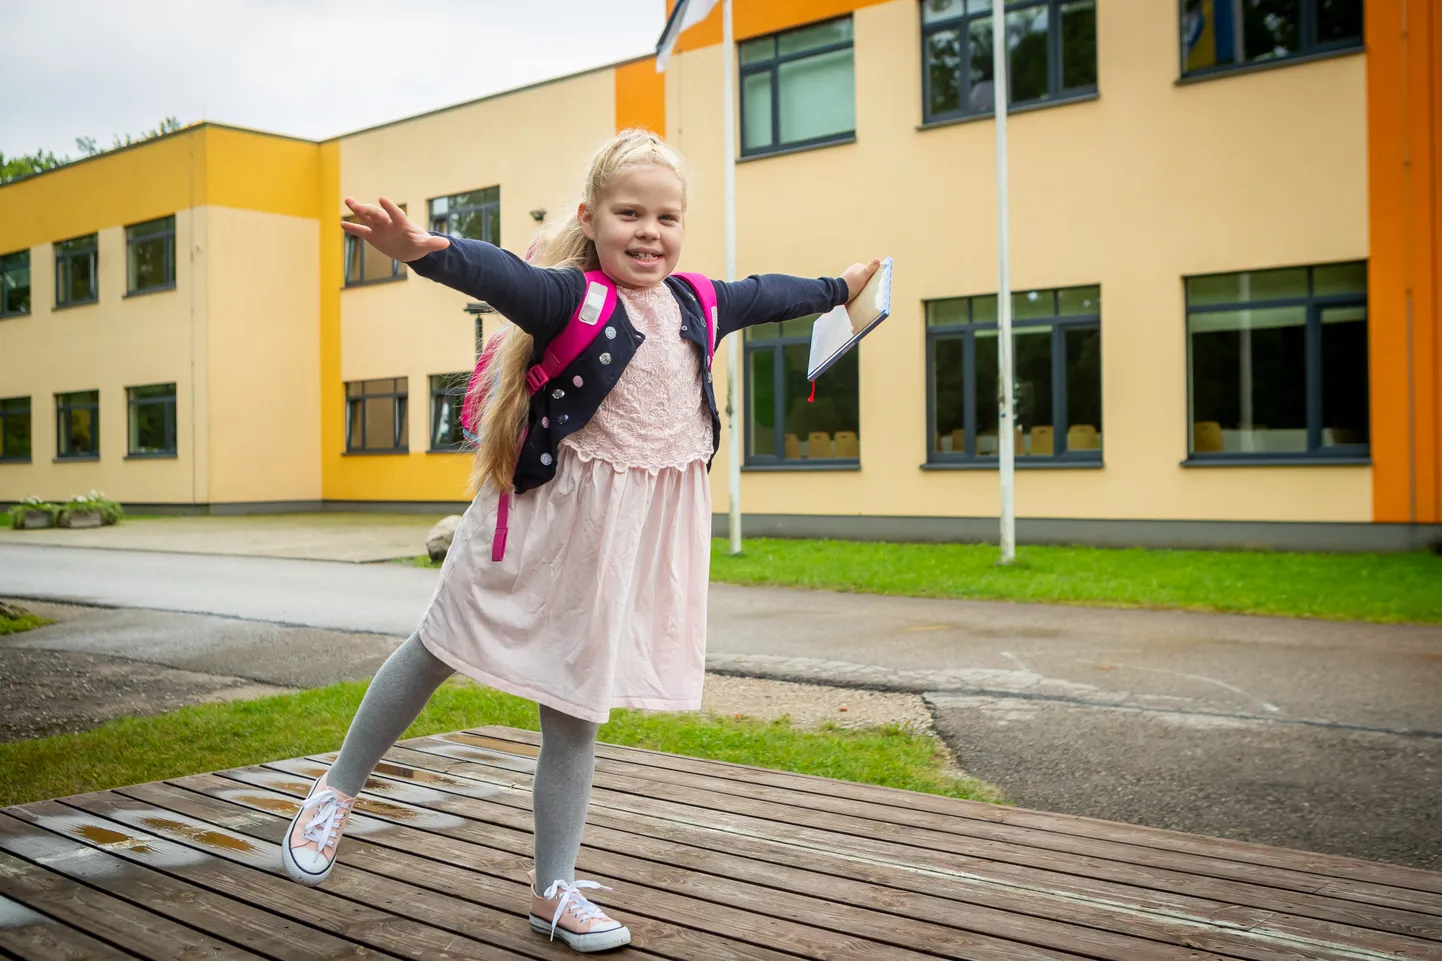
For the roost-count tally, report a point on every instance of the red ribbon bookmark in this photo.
(812, 398)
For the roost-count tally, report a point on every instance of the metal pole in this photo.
(1006, 422)
(733, 351)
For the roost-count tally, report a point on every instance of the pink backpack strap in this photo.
(706, 294)
(597, 305)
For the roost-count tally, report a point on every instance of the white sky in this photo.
(308, 68)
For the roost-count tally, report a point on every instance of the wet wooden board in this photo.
(708, 862)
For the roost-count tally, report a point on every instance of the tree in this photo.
(27, 164)
(13, 168)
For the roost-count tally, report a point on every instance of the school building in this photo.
(1226, 246)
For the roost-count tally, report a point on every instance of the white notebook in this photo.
(836, 332)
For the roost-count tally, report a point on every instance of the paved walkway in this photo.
(355, 537)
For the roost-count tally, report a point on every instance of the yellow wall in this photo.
(262, 356)
(238, 334)
(110, 345)
(534, 144)
(1151, 182)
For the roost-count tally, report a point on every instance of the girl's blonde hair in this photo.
(560, 244)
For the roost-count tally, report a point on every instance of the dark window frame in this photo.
(1314, 304)
(1307, 47)
(62, 411)
(6, 265)
(442, 386)
(772, 65)
(91, 254)
(761, 340)
(400, 415)
(440, 222)
(1056, 94)
(1058, 324)
(132, 402)
(144, 233)
(8, 412)
(351, 243)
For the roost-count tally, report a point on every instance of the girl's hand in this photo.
(856, 277)
(389, 230)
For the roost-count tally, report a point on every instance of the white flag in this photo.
(687, 14)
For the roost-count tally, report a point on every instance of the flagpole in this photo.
(1006, 426)
(733, 358)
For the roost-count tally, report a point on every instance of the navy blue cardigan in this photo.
(541, 301)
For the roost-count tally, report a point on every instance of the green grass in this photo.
(5, 520)
(217, 736)
(423, 560)
(1361, 587)
(13, 620)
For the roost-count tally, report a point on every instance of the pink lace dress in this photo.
(600, 601)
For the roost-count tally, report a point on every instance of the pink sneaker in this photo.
(308, 852)
(563, 911)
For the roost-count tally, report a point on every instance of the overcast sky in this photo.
(308, 68)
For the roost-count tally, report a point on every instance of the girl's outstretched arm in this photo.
(772, 298)
(538, 301)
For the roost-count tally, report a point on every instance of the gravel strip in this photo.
(809, 705)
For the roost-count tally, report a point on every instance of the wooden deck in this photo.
(709, 862)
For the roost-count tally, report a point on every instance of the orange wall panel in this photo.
(1404, 104)
(756, 18)
(641, 96)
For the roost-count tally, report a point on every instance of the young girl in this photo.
(599, 599)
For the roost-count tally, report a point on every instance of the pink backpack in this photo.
(595, 309)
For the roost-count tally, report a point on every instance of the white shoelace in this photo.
(571, 896)
(324, 827)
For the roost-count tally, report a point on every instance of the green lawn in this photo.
(217, 736)
(1363, 587)
(13, 620)
(1388, 588)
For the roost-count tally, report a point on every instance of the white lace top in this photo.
(656, 415)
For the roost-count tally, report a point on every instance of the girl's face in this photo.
(637, 226)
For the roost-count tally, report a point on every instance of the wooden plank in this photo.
(444, 886)
(950, 855)
(863, 818)
(933, 830)
(412, 920)
(32, 936)
(1173, 919)
(1004, 913)
(902, 803)
(101, 915)
(732, 910)
(149, 877)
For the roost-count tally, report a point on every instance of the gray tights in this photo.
(562, 787)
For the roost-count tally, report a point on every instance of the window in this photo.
(152, 421)
(1051, 51)
(77, 425)
(366, 265)
(15, 429)
(150, 256)
(1058, 380)
(15, 284)
(1221, 35)
(798, 88)
(448, 394)
(1278, 363)
(476, 215)
(75, 271)
(782, 426)
(376, 416)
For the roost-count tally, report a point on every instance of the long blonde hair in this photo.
(560, 244)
